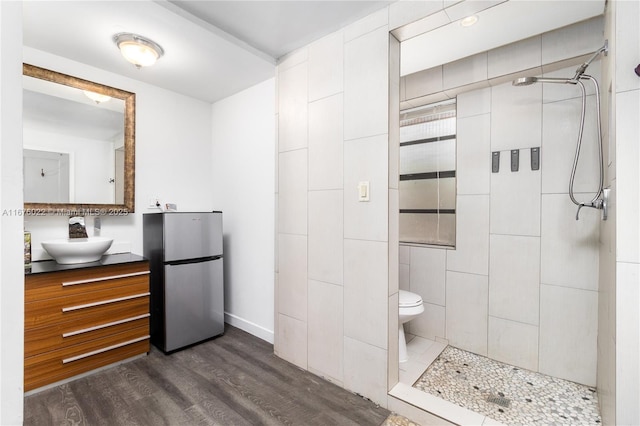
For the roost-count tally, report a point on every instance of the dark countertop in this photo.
(44, 266)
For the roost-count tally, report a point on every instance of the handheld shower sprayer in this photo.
(599, 201)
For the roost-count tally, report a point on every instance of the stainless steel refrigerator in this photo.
(187, 294)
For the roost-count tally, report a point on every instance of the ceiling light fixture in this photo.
(96, 97)
(469, 21)
(138, 50)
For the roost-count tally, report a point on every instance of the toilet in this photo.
(409, 306)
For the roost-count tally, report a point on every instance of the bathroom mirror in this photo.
(78, 145)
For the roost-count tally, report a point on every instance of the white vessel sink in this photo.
(77, 250)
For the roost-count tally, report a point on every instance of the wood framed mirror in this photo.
(78, 145)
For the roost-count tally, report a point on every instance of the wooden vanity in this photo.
(84, 316)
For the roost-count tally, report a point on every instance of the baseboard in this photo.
(249, 327)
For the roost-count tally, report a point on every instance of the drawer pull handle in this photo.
(99, 351)
(104, 302)
(101, 326)
(111, 277)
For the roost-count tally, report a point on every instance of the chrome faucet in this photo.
(76, 227)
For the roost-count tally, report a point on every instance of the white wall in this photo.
(619, 322)
(11, 236)
(173, 155)
(91, 164)
(332, 281)
(242, 186)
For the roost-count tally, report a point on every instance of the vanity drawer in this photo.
(57, 365)
(81, 308)
(42, 339)
(79, 281)
(82, 319)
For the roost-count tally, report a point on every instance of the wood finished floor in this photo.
(234, 379)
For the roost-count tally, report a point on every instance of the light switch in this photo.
(363, 191)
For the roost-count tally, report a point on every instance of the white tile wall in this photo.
(628, 343)
(292, 108)
(366, 160)
(466, 311)
(366, 85)
(568, 333)
(423, 83)
(325, 328)
(515, 197)
(292, 193)
(515, 57)
(465, 71)
(559, 138)
(276, 154)
(394, 241)
(325, 236)
(326, 66)
(428, 274)
(473, 143)
(367, 24)
(292, 340)
(569, 247)
(571, 41)
(405, 254)
(472, 236)
(365, 370)
(326, 143)
(606, 373)
(404, 277)
(394, 113)
(513, 343)
(516, 116)
(628, 19)
(365, 291)
(514, 280)
(628, 176)
(292, 285)
(474, 103)
(393, 356)
(431, 323)
(346, 77)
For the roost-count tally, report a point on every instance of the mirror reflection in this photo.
(78, 143)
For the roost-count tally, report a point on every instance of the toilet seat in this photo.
(408, 299)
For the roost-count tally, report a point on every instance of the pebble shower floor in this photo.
(508, 394)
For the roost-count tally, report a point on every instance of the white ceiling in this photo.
(216, 48)
(213, 49)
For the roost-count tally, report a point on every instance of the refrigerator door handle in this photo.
(198, 260)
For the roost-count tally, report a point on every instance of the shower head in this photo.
(526, 81)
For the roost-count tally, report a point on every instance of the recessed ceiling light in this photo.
(469, 20)
(138, 50)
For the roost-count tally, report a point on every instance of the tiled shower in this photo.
(521, 284)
